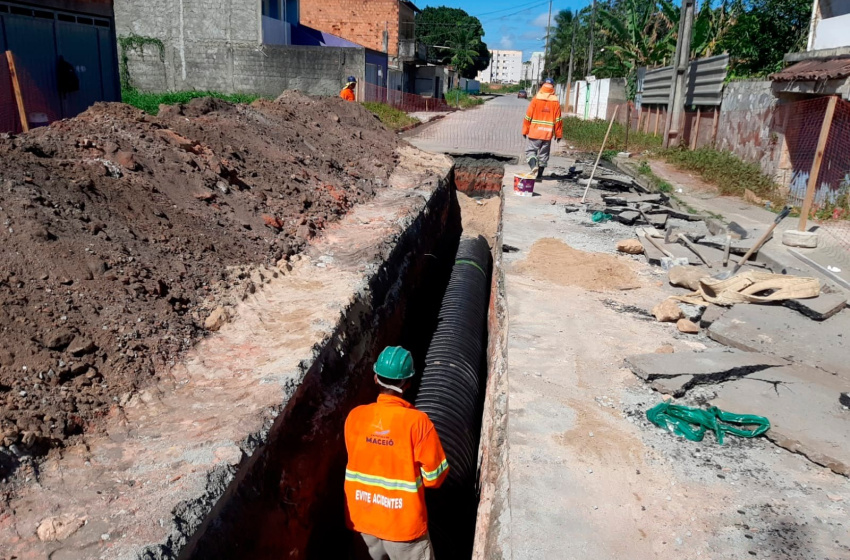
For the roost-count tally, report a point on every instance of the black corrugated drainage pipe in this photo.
(452, 393)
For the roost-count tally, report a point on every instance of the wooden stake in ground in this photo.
(601, 149)
(16, 86)
(695, 140)
(816, 163)
(714, 127)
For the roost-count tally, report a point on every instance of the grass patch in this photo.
(150, 102)
(461, 99)
(391, 117)
(588, 135)
(731, 175)
(654, 181)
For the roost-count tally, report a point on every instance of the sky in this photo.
(511, 24)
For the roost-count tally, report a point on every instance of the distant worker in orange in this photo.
(347, 92)
(542, 122)
(394, 453)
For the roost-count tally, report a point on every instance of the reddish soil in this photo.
(121, 231)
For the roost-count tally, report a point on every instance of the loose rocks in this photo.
(687, 327)
(667, 311)
(630, 246)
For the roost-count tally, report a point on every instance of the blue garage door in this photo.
(45, 42)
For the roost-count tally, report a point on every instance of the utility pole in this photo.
(548, 28)
(676, 103)
(570, 70)
(590, 51)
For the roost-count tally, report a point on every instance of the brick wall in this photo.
(360, 21)
(216, 45)
(745, 126)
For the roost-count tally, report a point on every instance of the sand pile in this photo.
(554, 261)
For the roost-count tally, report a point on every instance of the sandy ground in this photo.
(590, 477)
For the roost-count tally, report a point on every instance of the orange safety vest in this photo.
(543, 117)
(394, 453)
(347, 94)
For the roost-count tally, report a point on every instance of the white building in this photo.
(505, 67)
(830, 25)
(533, 70)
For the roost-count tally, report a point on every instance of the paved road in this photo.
(495, 127)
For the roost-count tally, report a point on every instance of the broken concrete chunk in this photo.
(630, 246)
(819, 308)
(708, 367)
(799, 401)
(658, 221)
(676, 386)
(667, 311)
(781, 331)
(628, 217)
(711, 314)
(691, 312)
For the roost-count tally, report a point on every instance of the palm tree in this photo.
(642, 34)
(463, 49)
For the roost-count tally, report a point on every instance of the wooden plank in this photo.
(16, 86)
(714, 127)
(816, 163)
(657, 116)
(695, 138)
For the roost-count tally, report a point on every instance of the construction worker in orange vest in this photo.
(347, 92)
(542, 122)
(394, 453)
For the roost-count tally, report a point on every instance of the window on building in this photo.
(272, 9)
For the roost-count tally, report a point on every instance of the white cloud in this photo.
(506, 42)
(541, 21)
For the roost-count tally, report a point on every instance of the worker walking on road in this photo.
(394, 453)
(542, 122)
(347, 92)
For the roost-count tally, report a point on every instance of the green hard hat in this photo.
(394, 363)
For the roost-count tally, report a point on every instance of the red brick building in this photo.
(383, 25)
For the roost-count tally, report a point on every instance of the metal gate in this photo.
(40, 39)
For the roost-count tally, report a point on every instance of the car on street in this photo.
(522, 94)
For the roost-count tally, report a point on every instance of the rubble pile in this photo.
(126, 236)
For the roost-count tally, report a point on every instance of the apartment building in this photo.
(505, 67)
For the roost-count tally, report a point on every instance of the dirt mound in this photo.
(555, 261)
(122, 230)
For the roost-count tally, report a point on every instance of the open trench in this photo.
(287, 501)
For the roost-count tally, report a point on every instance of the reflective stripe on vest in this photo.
(435, 474)
(385, 483)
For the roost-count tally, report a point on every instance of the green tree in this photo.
(638, 34)
(762, 32)
(464, 50)
(444, 27)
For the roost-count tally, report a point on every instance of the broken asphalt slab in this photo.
(783, 332)
(676, 373)
(800, 402)
(818, 308)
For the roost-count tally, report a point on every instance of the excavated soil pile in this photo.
(121, 231)
(554, 261)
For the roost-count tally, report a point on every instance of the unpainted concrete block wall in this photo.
(360, 21)
(216, 45)
(746, 120)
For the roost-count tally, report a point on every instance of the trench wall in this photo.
(287, 501)
(492, 524)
